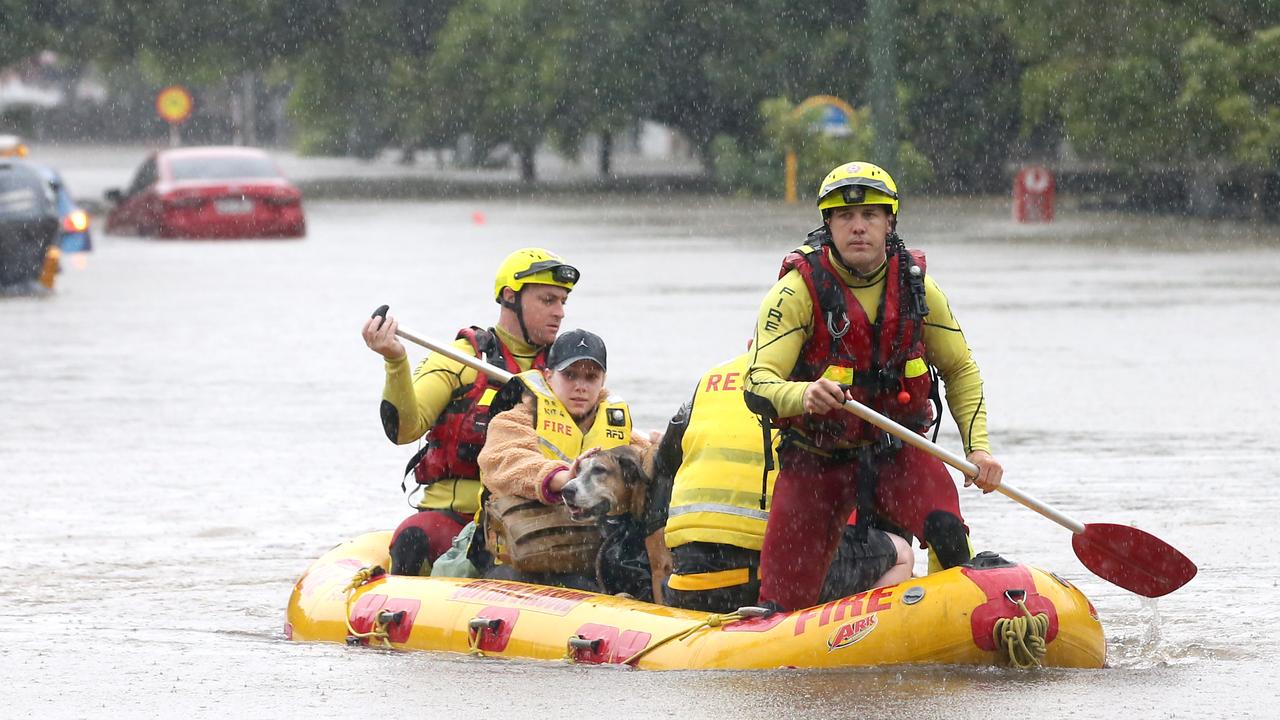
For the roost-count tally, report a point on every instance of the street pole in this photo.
(249, 106)
(882, 53)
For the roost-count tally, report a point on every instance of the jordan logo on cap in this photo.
(582, 343)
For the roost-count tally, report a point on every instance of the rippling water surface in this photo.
(184, 426)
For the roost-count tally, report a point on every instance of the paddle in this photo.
(1126, 556)
(448, 351)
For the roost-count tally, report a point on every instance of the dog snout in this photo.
(569, 492)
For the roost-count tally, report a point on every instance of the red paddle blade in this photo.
(1135, 560)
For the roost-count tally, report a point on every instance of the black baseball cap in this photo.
(576, 345)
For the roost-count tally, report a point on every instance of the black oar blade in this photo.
(1135, 560)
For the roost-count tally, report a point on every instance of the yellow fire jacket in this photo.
(715, 497)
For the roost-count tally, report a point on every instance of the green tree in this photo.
(960, 76)
(22, 31)
(1233, 92)
(499, 82)
(604, 75)
(759, 168)
(358, 69)
(1104, 76)
(342, 96)
(710, 65)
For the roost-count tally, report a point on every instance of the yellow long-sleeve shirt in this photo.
(416, 400)
(419, 397)
(785, 324)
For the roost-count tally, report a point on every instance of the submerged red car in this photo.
(208, 192)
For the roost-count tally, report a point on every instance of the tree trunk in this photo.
(606, 154)
(1202, 191)
(249, 107)
(236, 110)
(1257, 188)
(528, 173)
(883, 62)
(706, 157)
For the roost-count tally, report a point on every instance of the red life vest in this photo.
(877, 353)
(454, 442)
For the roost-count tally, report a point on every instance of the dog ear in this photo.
(629, 461)
(634, 477)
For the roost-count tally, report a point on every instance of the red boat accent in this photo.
(613, 646)
(364, 615)
(495, 640)
(995, 583)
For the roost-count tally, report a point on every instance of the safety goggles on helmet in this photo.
(854, 190)
(560, 272)
(533, 265)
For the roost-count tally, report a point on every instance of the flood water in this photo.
(184, 426)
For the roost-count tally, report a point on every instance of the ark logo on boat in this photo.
(851, 632)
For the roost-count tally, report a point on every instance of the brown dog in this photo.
(613, 486)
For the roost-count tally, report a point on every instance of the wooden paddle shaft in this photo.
(453, 353)
(969, 469)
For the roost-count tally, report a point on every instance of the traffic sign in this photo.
(836, 121)
(174, 104)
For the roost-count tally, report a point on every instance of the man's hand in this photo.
(380, 336)
(823, 396)
(990, 471)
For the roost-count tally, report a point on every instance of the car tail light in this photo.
(282, 200)
(75, 221)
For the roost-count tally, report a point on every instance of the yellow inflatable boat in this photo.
(994, 613)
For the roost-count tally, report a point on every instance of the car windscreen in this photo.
(23, 194)
(221, 167)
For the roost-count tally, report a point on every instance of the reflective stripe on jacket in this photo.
(715, 496)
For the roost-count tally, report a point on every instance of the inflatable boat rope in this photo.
(1022, 638)
(384, 618)
(712, 620)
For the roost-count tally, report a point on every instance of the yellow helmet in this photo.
(858, 183)
(533, 265)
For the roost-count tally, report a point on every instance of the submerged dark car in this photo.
(29, 226)
(74, 237)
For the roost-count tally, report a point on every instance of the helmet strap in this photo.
(517, 306)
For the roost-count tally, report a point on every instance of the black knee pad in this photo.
(409, 552)
(945, 534)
